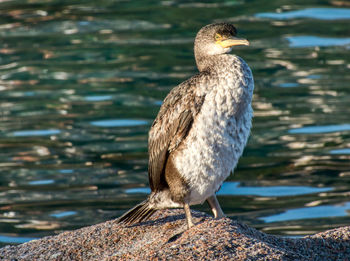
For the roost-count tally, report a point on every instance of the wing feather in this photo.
(171, 127)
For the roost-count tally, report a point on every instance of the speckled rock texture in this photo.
(165, 237)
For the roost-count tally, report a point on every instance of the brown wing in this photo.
(171, 127)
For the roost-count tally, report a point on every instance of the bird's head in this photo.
(214, 39)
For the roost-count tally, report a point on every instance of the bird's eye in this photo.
(217, 37)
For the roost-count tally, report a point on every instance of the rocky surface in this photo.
(165, 237)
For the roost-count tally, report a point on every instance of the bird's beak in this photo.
(227, 43)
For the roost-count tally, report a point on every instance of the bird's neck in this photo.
(208, 62)
(204, 62)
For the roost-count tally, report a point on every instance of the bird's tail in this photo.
(140, 212)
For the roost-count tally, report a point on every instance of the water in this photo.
(313, 13)
(81, 82)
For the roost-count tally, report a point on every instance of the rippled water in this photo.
(81, 82)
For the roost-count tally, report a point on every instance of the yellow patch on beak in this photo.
(227, 43)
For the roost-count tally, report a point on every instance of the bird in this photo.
(201, 129)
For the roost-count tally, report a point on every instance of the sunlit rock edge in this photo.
(165, 236)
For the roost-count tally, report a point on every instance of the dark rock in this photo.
(166, 237)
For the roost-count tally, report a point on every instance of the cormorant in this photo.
(201, 129)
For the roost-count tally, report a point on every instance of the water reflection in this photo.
(314, 13)
(310, 212)
(311, 41)
(320, 129)
(63, 214)
(78, 27)
(25, 133)
(289, 84)
(15, 239)
(96, 98)
(340, 151)
(41, 182)
(119, 123)
(235, 188)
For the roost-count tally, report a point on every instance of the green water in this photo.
(82, 81)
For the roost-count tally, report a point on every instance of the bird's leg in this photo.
(188, 215)
(215, 206)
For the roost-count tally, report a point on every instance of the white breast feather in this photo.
(219, 132)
